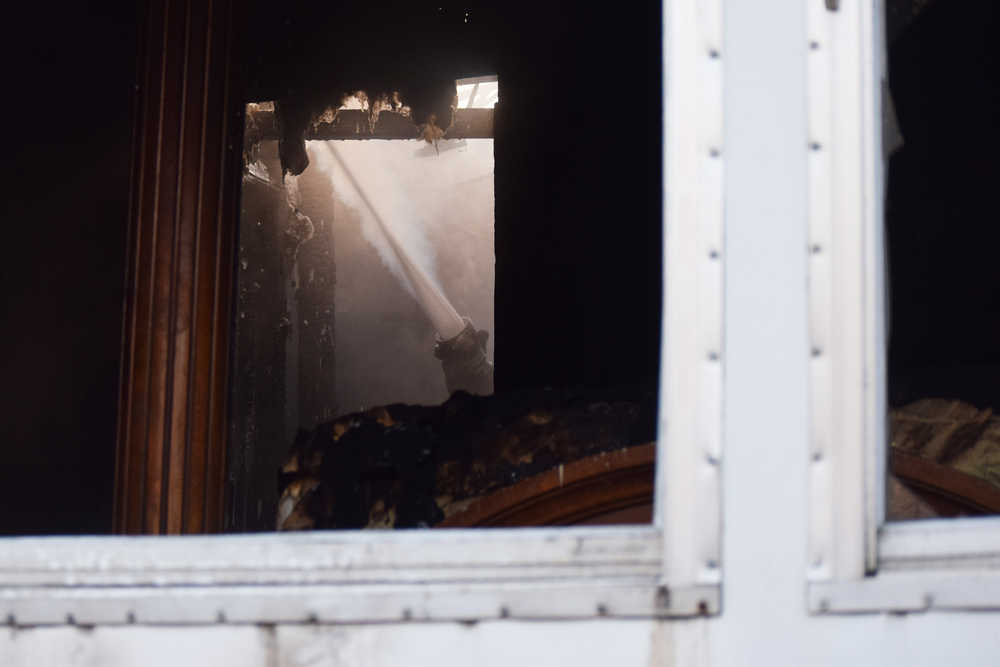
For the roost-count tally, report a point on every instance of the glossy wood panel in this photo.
(176, 329)
(610, 487)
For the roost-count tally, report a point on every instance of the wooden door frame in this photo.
(183, 212)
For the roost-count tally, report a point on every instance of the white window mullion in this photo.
(843, 373)
(688, 507)
(870, 566)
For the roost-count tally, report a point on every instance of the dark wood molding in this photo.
(973, 494)
(572, 493)
(186, 154)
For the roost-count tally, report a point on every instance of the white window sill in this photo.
(945, 564)
(344, 577)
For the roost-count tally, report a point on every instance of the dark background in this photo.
(68, 72)
(942, 213)
(577, 208)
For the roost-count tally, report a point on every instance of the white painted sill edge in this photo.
(944, 564)
(466, 575)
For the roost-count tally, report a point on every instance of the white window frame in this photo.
(857, 561)
(669, 568)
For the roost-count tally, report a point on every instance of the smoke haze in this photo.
(439, 207)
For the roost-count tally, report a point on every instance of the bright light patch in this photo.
(481, 92)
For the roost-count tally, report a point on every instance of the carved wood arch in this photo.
(610, 487)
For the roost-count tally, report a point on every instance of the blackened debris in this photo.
(403, 466)
(292, 117)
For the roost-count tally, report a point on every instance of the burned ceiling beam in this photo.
(355, 124)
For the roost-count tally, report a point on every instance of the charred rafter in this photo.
(354, 124)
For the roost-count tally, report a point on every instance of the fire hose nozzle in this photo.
(463, 358)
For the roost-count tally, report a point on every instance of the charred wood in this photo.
(402, 466)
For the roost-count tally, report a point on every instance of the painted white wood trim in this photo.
(955, 544)
(357, 557)
(821, 284)
(847, 378)
(875, 376)
(344, 577)
(945, 564)
(593, 598)
(901, 592)
(912, 566)
(691, 370)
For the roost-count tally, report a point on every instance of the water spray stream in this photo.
(443, 316)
